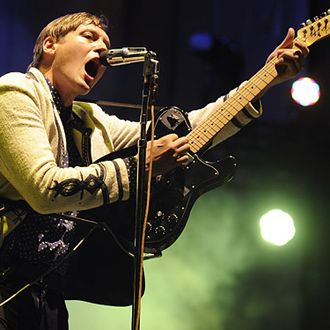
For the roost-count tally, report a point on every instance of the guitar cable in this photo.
(144, 225)
(40, 277)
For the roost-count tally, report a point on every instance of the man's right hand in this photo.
(168, 152)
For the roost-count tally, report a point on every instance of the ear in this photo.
(48, 51)
(49, 46)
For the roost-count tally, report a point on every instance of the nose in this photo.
(100, 46)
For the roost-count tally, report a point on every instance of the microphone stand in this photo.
(150, 84)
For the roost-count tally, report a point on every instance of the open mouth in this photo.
(91, 68)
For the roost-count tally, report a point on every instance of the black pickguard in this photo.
(172, 195)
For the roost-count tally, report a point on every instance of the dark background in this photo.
(283, 156)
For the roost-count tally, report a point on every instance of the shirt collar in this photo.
(61, 108)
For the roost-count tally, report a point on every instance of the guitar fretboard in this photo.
(201, 135)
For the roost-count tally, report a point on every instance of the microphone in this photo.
(121, 56)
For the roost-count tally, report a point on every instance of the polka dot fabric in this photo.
(40, 239)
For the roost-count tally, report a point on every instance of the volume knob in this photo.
(160, 231)
(159, 216)
(173, 218)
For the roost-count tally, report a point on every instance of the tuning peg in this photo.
(324, 14)
(316, 18)
(302, 25)
(328, 11)
(308, 22)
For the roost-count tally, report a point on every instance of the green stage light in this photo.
(277, 227)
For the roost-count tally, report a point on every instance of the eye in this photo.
(88, 36)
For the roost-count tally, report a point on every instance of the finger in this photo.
(299, 56)
(182, 159)
(181, 141)
(288, 56)
(302, 47)
(289, 66)
(164, 141)
(288, 40)
(292, 56)
(172, 136)
(168, 138)
(179, 152)
(288, 53)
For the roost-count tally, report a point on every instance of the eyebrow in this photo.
(92, 29)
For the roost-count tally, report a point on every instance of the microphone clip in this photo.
(122, 56)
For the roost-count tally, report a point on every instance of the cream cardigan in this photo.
(32, 147)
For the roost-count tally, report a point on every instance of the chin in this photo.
(85, 92)
(84, 88)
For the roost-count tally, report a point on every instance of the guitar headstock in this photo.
(311, 32)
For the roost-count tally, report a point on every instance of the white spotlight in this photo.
(277, 227)
(305, 91)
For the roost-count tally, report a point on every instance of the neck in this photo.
(67, 98)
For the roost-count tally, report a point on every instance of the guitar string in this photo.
(203, 133)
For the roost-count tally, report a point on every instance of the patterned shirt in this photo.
(42, 239)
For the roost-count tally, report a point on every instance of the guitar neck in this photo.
(205, 132)
(199, 137)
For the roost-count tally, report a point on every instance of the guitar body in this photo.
(172, 194)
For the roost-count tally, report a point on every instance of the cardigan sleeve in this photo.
(241, 118)
(28, 166)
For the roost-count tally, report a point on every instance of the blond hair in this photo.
(61, 26)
